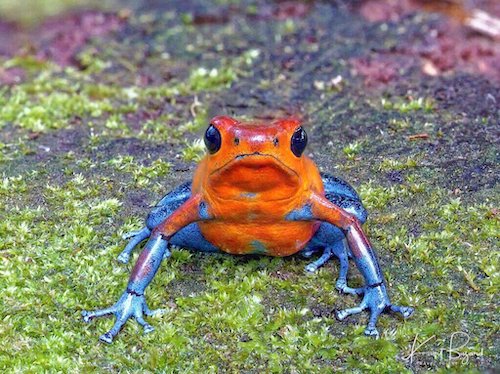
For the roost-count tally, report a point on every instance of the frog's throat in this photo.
(254, 177)
(255, 154)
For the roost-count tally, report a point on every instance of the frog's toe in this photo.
(315, 265)
(154, 312)
(130, 234)
(86, 316)
(371, 331)
(342, 287)
(106, 338)
(342, 314)
(90, 315)
(130, 305)
(123, 257)
(405, 311)
(311, 268)
(307, 253)
(146, 326)
(109, 336)
(371, 328)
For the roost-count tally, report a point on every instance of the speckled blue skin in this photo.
(329, 240)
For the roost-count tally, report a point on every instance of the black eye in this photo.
(212, 139)
(299, 141)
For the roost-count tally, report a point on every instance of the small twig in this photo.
(193, 106)
(419, 136)
(413, 349)
(470, 281)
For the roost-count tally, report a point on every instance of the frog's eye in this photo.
(299, 141)
(212, 139)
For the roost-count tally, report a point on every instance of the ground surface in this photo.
(100, 115)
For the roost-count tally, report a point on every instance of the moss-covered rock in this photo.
(89, 143)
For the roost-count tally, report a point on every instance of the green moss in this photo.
(203, 79)
(230, 304)
(142, 175)
(409, 105)
(392, 164)
(352, 149)
(49, 102)
(194, 151)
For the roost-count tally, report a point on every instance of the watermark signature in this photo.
(452, 351)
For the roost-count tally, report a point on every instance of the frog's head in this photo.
(255, 160)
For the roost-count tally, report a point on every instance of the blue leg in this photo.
(136, 237)
(333, 241)
(340, 250)
(131, 234)
(344, 214)
(324, 240)
(186, 233)
(132, 303)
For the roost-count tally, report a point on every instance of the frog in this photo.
(256, 192)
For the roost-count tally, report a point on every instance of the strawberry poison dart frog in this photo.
(255, 192)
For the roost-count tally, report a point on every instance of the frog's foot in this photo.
(135, 237)
(130, 305)
(376, 301)
(315, 265)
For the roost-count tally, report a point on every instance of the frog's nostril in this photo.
(236, 141)
(276, 142)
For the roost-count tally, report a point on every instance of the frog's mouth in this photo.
(256, 176)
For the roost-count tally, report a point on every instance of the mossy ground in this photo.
(86, 149)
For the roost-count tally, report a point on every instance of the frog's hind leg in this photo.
(136, 237)
(333, 241)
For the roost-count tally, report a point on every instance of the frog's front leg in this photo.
(375, 297)
(165, 207)
(132, 303)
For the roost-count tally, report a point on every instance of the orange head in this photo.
(254, 160)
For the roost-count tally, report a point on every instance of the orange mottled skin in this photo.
(249, 207)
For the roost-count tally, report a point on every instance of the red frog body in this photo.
(255, 192)
(251, 184)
